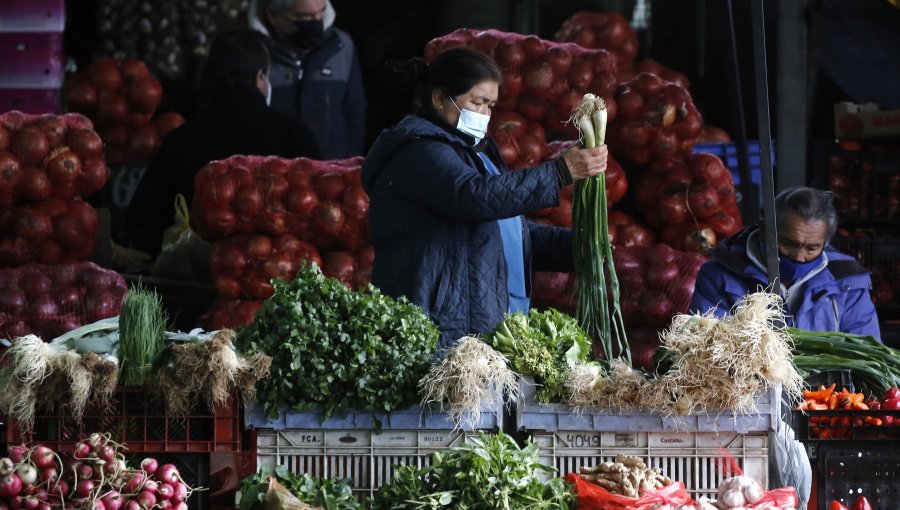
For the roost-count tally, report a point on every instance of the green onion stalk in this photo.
(598, 313)
(142, 334)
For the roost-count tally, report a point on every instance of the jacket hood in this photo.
(412, 127)
(257, 24)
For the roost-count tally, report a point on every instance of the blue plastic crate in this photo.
(413, 418)
(531, 415)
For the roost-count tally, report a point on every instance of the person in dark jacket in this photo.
(823, 289)
(446, 214)
(315, 71)
(232, 119)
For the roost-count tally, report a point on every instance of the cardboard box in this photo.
(865, 121)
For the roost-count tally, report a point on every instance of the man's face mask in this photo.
(307, 32)
(472, 123)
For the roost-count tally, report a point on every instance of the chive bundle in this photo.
(590, 237)
(142, 330)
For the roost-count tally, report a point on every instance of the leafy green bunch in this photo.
(544, 345)
(338, 348)
(324, 493)
(489, 472)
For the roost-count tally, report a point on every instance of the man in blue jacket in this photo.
(823, 289)
(315, 72)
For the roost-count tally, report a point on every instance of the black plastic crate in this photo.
(848, 470)
(840, 378)
(194, 470)
(881, 256)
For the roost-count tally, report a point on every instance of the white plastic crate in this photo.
(362, 446)
(366, 457)
(696, 458)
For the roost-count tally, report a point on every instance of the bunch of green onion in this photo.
(142, 334)
(593, 251)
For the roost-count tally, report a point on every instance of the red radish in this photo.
(146, 499)
(43, 457)
(50, 474)
(168, 473)
(132, 504)
(17, 453)
(107, 453)
(165, 491)
(112, 500)
(181, 492)
(891, 393)
(10, 486)
(84, 488)
(164, 504)
(41, 494)
(30, 503)
(82, 450)
(84, 470)
(61, 487)
(181, 506)
(151, 485)
(134, 483)
(44, 506)
(27, 473)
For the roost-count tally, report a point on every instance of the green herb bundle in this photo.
(487, 473)
(142, 334)
(324, 493)
(544, 345)
(338, 348)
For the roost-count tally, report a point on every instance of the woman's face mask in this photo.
(472, 123)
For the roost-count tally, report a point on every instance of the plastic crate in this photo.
(840, 378)
(31, 60)
(193, 468)
(698, 459)
(848, 470)
(818, 428)
(32, 16)
(140, 423)
(362, 446)
(727, 152)
(867, 181)
(30, 100)
(881, 256)
(534, 416)
(687, 448)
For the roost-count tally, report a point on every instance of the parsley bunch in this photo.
(338, 348)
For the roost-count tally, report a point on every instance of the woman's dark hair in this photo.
(809, 204)
(234, 60)
(455, 71)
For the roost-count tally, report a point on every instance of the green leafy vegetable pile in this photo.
(487, 473)
(338, 348)
(544, 345)
(327, 494)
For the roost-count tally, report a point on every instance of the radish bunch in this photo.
(94, 477)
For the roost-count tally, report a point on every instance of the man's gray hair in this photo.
(809, 204)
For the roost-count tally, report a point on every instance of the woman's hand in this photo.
(584, 163)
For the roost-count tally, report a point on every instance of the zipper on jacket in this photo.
(837, 315)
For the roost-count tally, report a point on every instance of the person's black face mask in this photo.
(307, 32)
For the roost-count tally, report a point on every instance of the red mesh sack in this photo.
(53, 231)
(593, 497)
(48, 301)
(242, 265)
(320, 202)
(229, 313)
(44, 156)
(353, 269)
(651, 66)
(655, 283)
(522, 142)
(656, 119)
(121, 97)
(604, 30)
(542, 80)
(691, 200)
(561, 215)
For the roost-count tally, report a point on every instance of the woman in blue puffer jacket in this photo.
(446, 214)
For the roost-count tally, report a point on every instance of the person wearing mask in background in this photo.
(233, 117)
(315, 71)
(446, 216)
(823, 289)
